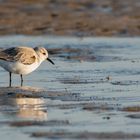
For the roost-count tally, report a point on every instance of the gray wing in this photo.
(24, 55)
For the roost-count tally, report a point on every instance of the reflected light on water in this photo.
(31, 108)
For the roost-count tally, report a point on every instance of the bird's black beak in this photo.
(50, 61)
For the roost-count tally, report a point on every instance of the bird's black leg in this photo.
(10, 79)
(21, 80)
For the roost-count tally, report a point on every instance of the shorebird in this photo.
(22, 60)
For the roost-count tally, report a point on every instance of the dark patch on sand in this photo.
(101, 106)
(85, 135)
(39, 123)
(134, 116)
(69, 53)
(125, 83)
(131, 109)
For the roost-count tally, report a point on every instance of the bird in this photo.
(22, 60)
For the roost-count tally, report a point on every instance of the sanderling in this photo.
(22, 60)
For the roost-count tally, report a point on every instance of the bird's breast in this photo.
(18, 68)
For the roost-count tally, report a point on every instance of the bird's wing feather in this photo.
(24, 55)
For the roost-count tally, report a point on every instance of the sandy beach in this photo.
(70, 18)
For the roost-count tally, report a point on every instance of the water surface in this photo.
(92, 91)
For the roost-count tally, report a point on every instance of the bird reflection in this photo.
(31, 108)
(20, 103)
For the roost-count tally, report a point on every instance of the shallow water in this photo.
(91, 92)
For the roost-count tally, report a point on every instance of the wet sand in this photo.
(30, 108)
(70, 18)
(91, 93)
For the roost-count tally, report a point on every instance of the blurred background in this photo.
(70, 17)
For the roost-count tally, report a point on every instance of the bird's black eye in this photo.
(44, 53)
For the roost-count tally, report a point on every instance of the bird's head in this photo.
(43, 54)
